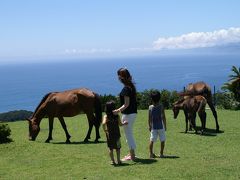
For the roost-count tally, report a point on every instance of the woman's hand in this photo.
(116, 111)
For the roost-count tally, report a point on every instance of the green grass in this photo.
(212, 156)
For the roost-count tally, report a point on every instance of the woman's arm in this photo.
(123, 107)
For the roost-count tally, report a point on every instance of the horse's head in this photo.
(33, 129)
(175, 111)
(176, 107)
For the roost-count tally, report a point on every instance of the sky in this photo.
(52, 29)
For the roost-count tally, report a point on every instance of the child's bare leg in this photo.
(162, 148)
(151, 149)
(118, 156)
(111, 155)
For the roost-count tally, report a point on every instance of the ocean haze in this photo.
(23, 86)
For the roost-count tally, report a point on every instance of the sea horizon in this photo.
(23, 86)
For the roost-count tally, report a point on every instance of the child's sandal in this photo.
(153, 155)
(113, 163)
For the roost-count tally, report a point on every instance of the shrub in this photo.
(5, 132)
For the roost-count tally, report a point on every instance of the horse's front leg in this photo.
(50, 121)
(65, 129)
(186, 121)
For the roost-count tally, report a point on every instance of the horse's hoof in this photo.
(96, 141)
(47, 141)
(86, 140)
(68, 141)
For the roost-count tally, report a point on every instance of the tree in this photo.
(233, 84)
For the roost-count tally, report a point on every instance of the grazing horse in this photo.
(191, 105)
(67, 104)
(203, 89)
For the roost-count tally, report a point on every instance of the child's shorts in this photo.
(155, 133)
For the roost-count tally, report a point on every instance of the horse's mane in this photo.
(41, 102)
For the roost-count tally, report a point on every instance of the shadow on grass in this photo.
(169, 157)
(144, 161)
(81, 142)
(207, 132)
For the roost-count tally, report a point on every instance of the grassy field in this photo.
(191, 156)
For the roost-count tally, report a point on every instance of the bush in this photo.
(5, 132)
(225, 100)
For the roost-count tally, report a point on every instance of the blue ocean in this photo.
(23, 86)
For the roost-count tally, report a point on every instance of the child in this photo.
(157, 123)
(111, 124)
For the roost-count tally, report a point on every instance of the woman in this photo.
(128, 109)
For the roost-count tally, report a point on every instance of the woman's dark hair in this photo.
(109, 107)
(126, 78)
(155, 96)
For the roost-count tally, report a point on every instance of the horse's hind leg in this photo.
(202, 116)
(90, 118)
(97, 132)
(214, 114)
(50, 121)
(65, 129)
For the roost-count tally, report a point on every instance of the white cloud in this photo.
(87, 51)
(199, 39)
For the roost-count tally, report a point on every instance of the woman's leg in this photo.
(128, 129)
(111, 156)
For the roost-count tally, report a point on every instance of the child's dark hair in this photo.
(110, 106)
(155, 96)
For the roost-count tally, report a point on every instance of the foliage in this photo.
(5, 132)
(226, 100)
(233, 84)
(191, 156)
(15, 115)
(105, 98)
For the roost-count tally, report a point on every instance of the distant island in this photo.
(15, 115)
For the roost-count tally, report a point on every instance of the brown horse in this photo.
(67, 104)
(201, 88)
(191, 105)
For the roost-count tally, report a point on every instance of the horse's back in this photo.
(71, 102)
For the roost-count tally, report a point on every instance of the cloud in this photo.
(199, 39)
(87, 51)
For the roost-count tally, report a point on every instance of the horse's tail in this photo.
(98, 109)
(42, 101)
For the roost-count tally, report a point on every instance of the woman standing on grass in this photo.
(128, 109)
